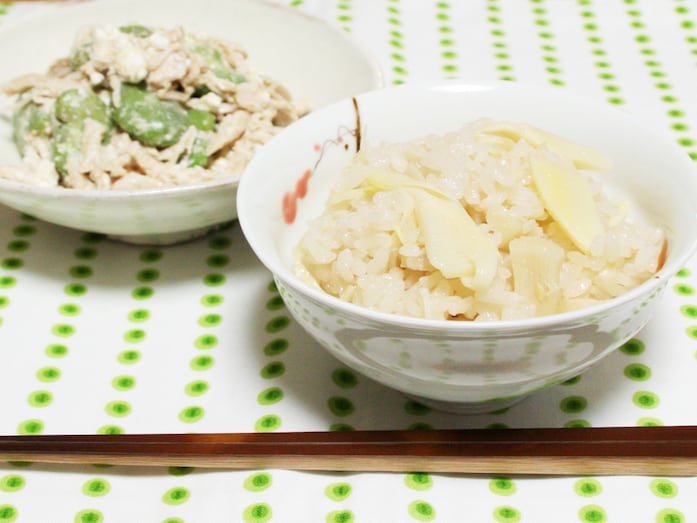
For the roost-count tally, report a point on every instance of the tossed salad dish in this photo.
(135, 107)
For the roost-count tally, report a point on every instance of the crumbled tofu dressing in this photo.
(249, 109)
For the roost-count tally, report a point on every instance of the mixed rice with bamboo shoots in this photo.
(136, 107)
(496, 221)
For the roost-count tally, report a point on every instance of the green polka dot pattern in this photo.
(398, 62)
(502, 53)
(546, 38)
(344, 14)
(102, 337)
(447, 41)
(602, 61)
(658, 74)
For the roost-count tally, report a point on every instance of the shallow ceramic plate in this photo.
(318, 63)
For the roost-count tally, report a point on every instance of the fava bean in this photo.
(202, 120)
(137, 30)
(80, 56)
(201, 90)
(76, 105)
(198, 156)
(214, 60)
(67, 140)
(29, 120)
(71, 109)
(148, 119)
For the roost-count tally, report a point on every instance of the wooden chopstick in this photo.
(538, 451)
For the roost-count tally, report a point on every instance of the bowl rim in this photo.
(115, 194)
(285, 275)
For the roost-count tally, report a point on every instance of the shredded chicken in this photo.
(74, 127)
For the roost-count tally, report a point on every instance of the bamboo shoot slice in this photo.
(455, 245)
(385, 180)
(568, 198)
(536, 264)
(582, 157)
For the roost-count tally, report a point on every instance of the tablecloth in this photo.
(98, 336)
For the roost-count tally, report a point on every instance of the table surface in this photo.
(98, 336)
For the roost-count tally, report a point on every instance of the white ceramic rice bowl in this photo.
(462, 366)
(317, 62)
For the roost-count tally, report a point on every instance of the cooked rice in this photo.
(367, 248)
